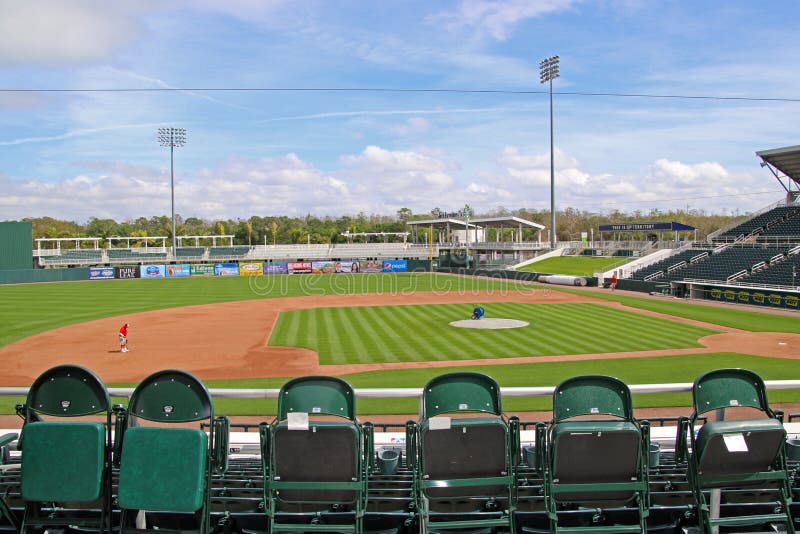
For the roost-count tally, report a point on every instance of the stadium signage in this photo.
(226, 269)
(127, 272)
(251, 269)
(177, 271)
(202, 269)
(395, 266)
(101, 273)
(298, 267)
(275, 268)
(152, 271)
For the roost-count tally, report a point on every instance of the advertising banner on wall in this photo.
(298, 267)
(101, 273)
(178, 271)
(759, 298)
(152, 271)
(251, 269)
(226, 269)
(395, 266)
(127, 272)
(322, 267)
(276, 268)
(349, 267)
(202, 269)
(370, 266)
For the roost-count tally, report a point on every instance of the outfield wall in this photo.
(242, 268)
(28, 276)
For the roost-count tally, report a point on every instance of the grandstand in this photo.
(460, 466)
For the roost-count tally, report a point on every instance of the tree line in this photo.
(260, 230)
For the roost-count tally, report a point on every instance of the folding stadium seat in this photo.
(465, 455)
(746, 453)
(66, 465)
(167, 468)
(598, 461)
(315, 473)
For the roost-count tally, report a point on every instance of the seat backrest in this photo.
(68, 391)
(726, 388)
(171, 396)
(317, 395)
(328, 452)
(461, 392)
(163, 469)
(592, 395)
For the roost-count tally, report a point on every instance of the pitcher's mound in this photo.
(489, 324)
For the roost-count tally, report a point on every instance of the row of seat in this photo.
(318, 468)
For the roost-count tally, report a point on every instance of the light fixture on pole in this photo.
(548, 71)
(172, 137)
(466, 213)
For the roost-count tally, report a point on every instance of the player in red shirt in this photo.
(123, 338)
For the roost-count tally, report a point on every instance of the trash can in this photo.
(529, 453)
(655, 454)
(793, 450)
(388, 460)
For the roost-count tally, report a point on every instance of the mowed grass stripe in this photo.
(422, 333)
(369, 329)
(355, 334)
(415, 330)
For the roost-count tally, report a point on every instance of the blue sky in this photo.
(76, 155)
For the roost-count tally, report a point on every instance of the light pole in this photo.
(467, 213)
(172, 137)
(548, 71)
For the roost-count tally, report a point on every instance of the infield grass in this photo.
(572, 265)
(374, 334)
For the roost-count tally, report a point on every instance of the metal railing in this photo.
(407, 393)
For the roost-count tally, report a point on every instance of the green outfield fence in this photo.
(28, 276)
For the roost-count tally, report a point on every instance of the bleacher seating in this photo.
(189, 252)
(673, 501)
(771, 216)
(228, 252)
(663, 265)
(725, 263)
(782, 273)
(122, 255)
(788, 227)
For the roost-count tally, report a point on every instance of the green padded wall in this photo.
(16, 240)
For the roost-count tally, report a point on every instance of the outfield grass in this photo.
(375, 334)
(573, 265)
(28, 309)
(666, 369)
(753, 321)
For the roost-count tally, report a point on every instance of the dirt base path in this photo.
(229, 340)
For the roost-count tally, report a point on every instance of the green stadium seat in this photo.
(66, 462)
(465, 466)
(734, 454)
(314, 469)
(166, 468)
(599, 460)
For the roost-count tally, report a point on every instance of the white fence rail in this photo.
(406, 393)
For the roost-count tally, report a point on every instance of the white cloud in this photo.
(496, 17)
(664, 184)
(54, 31)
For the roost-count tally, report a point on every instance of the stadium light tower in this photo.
(548, 71)
(467, 212)
(172, 137)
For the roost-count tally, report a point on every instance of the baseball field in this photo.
(382, 330)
